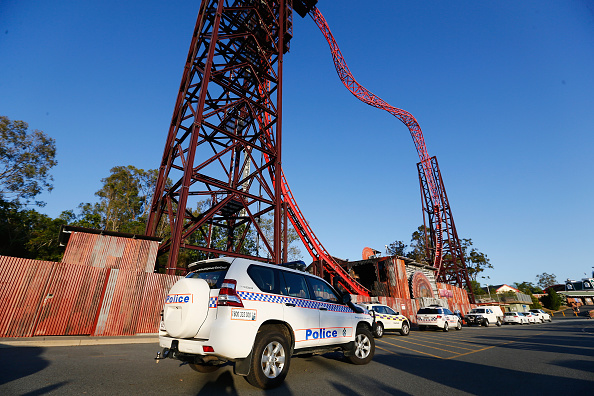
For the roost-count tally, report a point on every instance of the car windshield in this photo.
(510, 314)
(427, 311)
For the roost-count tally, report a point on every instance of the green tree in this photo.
(417, 244)
(266, 224)
(124, 201)
(545, 280)
(535, 303)
(397, 248)
(26, 158)
(476, 262)
(29, 234)
(528, 288)
(476, 288)
(552, 300)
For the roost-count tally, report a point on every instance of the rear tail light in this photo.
(438, 316)
(228, 294)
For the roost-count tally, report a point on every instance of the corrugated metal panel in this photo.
(108, 292)
(155, 290)
(72, 300)
(106, 251)
(125, 304)
(23, 287)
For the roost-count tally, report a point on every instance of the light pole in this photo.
(488, 290)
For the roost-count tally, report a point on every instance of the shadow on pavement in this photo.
(20, 362)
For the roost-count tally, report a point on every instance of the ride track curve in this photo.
(308, 237)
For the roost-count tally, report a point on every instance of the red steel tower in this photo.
(223, 149)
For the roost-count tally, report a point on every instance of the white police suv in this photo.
(256, 316)
(438, 317)
(386, 319)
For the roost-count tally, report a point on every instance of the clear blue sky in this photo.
(504, 93)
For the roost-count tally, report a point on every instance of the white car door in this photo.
(297, 308)
(336, 320)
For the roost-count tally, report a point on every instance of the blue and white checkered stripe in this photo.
(212, 302)
(274, 298)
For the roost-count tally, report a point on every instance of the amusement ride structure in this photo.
(220, 180)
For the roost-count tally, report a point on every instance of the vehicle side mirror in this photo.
(346, 298)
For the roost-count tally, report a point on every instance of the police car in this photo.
(438, 317)
(387, 319)
(255, 316)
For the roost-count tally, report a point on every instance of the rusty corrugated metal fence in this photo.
(47, 298)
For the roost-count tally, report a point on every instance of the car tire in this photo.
(446, 327)
(498, 323)
(270, 359)
(459, 326)
(363, 347)
(486, 323)
(405, 329)
(202, 368)
(378, 332)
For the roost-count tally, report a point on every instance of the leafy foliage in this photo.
(552, 300)
(476, 261)
(528, 288)
(397, 248)
(545, 280)
(25, 161)
(29, 234)
(124, 201)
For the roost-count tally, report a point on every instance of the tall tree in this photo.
(545, 280)
(29, 234)
(397, 248)
(417, 244)
(26, 158)
(528, 288)
(476, 262)
(266, 224)
(123, 203)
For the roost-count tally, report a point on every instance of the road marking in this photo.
(426, 346)
(454, 354)
(408, 349)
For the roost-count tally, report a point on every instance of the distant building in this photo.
(507, 296)
(579, 292)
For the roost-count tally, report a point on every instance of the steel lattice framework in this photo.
(226, 118)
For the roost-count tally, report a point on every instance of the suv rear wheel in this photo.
(363, 347)
(270, 359)
(446, 327)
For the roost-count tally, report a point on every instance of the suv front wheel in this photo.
(270, 359)
(363, 347)
(405, 329)
(379, 330)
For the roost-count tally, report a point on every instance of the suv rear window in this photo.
(432, 311)
(212, 273)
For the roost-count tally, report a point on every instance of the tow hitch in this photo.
(162, 355)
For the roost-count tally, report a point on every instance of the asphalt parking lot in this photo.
(545, 358)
